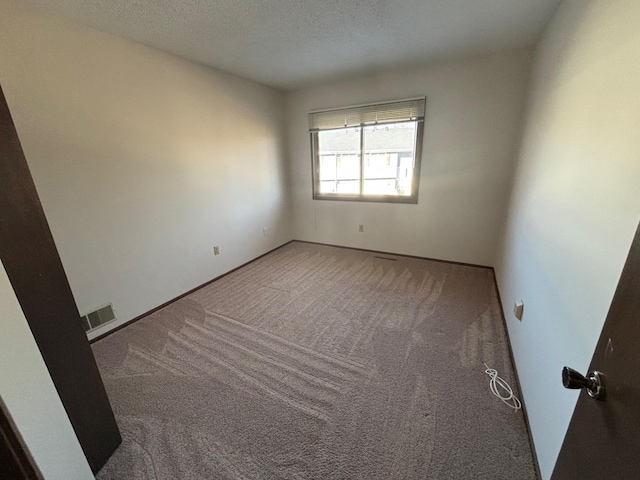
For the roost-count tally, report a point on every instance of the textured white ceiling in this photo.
(290, 43)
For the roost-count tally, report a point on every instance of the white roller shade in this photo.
(372, 114)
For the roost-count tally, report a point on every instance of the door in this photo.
(33, 266)
(603, 439)
(15, 461)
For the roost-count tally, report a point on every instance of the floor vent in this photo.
(387, 258)
(98, 317)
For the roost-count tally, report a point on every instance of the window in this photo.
(368, 152)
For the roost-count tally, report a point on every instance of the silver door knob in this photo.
(593, 382)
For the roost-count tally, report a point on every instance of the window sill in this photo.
(413, 199)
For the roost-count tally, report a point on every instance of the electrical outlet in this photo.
(216, 250)
(518, 309)
(265, 231)
(361, 228)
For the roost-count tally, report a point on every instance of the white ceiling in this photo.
(291, 43)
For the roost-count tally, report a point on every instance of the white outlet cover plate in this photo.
(518, 309)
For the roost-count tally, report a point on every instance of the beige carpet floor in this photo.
(318, 362)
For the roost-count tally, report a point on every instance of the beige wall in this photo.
(575, 203)
(31, 398)
(143, 161)
(473, 117)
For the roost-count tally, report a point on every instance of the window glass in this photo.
(389, 152)
(339, 154)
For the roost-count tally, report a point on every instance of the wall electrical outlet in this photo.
(216, 250)
(265, 231)
(518, 309)
(361, 228)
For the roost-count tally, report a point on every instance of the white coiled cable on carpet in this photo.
(497, 384)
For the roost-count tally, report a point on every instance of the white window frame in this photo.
(361, 116)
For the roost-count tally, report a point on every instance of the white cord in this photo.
(497, 383)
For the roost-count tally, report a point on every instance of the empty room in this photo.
(319, 240)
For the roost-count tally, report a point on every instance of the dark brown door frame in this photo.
(15, 459)
(31, 260)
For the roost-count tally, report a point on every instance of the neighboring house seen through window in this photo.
(368, 152)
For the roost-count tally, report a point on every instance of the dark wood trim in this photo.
(463, 264)
(515, 371)
(166, 304)
(30, 257)
(15, 459)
